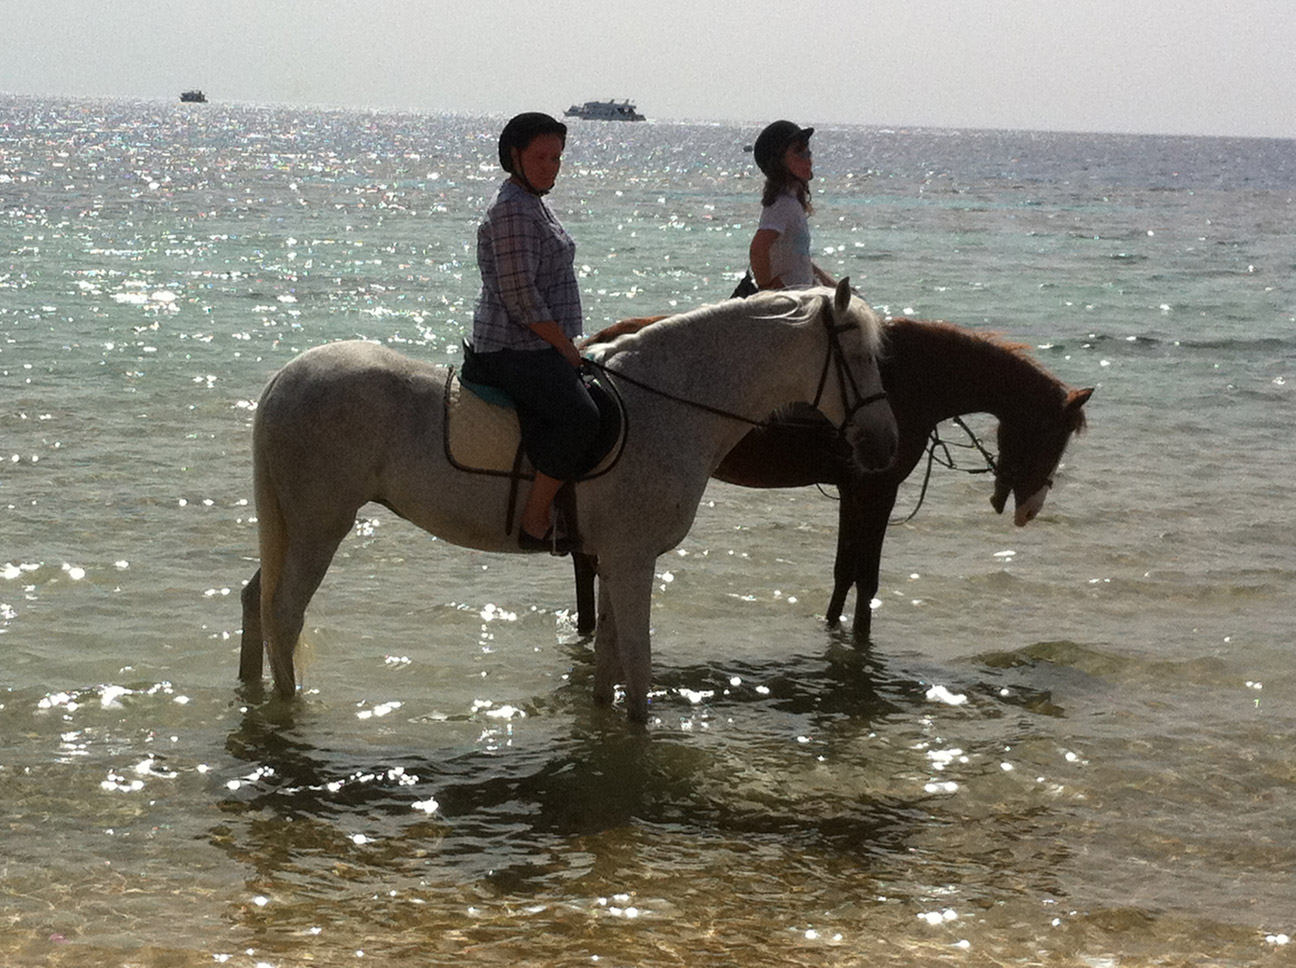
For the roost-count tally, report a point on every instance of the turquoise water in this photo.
(1067, 744)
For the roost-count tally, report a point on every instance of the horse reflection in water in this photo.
(349, 423)
(474, 815)
(932, 371)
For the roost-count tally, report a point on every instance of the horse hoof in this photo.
(251, 691)
(637, 714)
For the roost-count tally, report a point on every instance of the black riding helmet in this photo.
(522, 130)
(774, 141)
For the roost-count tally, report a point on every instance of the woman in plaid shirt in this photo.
(528, 314)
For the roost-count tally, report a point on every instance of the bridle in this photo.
(834, 361)
(853, 401)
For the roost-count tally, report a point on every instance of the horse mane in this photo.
(797, 305)
(972, 337)
(992, 347)
(620, 328)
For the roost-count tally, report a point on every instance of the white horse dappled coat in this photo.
(347, 423)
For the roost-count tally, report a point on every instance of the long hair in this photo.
(782, 181)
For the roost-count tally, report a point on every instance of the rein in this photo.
(835, 354)
(948, 461)
(695, 404)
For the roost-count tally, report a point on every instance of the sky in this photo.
(1209, 67)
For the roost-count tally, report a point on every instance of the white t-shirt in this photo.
(790, 253)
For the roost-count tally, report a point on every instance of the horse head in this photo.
(1029, 453)
(865, 421)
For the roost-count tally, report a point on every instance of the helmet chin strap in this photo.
(522, 180)
(519, 176)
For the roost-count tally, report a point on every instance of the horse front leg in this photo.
(862, 518)
(607, 659)
(252, 645)
(628, 587)
(871, 526)
(848, 537)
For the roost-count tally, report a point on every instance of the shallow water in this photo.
(1067, 744)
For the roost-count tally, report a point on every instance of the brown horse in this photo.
(932, 371)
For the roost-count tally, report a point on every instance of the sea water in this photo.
(1068, 744)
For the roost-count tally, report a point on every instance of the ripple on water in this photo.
(1113, 785)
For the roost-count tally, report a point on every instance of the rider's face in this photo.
(541, 160)
(799, 161)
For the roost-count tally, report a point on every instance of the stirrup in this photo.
(556, 545)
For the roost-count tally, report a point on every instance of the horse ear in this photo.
(841, 299)
(1078, 398)
(1073, 409)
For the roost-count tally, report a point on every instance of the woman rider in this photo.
(528, 313)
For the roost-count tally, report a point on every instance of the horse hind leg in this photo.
(284, 614)
(300, 525)
(292, 567)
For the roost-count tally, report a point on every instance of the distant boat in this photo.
(197, 97)
(604, 111)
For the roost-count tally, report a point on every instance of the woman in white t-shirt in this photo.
(780, 249)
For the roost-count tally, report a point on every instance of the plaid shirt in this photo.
(525, 258)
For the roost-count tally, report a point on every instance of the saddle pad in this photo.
(481, 436)
(485, 437)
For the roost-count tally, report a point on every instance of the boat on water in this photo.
(604, 111)
(196, 97)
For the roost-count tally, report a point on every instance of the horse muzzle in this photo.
(873, 437)
(1026, 510)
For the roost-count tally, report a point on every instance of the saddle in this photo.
(483, 436)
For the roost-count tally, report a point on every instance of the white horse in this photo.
(347, 423)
